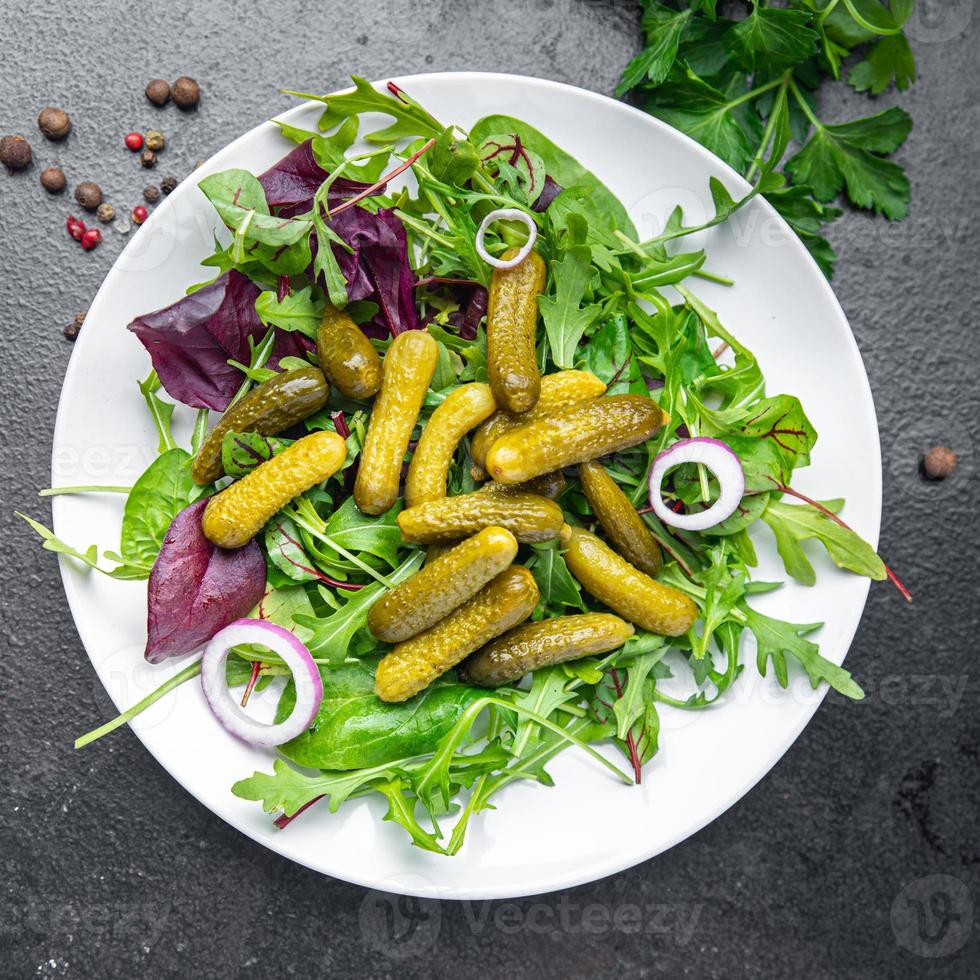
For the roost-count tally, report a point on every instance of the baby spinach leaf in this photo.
(158, 496)
(355, 729)
(605, 209)
(355, 531)
(609, 356)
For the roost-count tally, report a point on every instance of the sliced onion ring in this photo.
(506, 214)
(306, 677)
(723, 463)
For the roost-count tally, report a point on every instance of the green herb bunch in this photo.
(746, 89)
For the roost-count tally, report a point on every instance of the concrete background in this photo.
(110, 869)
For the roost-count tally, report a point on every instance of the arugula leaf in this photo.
(772, 37)
(793, 523)
(663, 28)
(297, 310)
(355, 531)
(332, 635)
(410, 119)
(555, 583)
(565, 319)
(846, 155)
(90, 557)
(776, 639)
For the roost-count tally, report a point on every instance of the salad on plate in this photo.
(472, 475)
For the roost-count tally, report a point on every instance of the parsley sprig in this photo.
(744, 87)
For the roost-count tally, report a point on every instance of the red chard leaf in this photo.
(196, 589)
(191, 341)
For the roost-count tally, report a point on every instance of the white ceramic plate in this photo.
(586, 826)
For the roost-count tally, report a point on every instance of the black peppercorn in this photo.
(939, 463)
(168, 184)
(155, 140)
(148, 158)
(73, 328)
(54, 123)
(185, 92)
(53, 180)
(151, 194)
(88, 194)
(105, 213)
(158, 91)
(15, 153)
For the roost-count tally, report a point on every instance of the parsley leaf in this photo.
(846, 155)
(888, 60)
(772, 37)
(663, 28)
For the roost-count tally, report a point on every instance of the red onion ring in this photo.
(306, 677)
(506, 214)
(720, 460)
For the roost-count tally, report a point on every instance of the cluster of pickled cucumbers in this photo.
(439, 444)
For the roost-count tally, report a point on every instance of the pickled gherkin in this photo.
(408, 369)
(428, 472)
(535, 645)
(512, 327)
(527, 516)
(234, 516)
(442, 585)
(346, 356)
(558, 390)
(584, 431)
(411, 666)
(619, 519)
(267, 409)
(625, 589)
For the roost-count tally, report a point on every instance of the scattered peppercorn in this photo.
(54, 123)
(185, 92)
(939, 463)
(168, 184)
(88, 194)
(148, 158)
(73, 328)
(158, 91)
(134, 141)
(151, 194)
(155, 140)
(53, 180)
(75, 227)
(91, 238)
(105, 213)
(139, 214)
(15, 153)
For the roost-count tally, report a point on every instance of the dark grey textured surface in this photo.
(110, 869)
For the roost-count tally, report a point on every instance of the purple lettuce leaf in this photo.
(379, 262)
(196, 589)
(291, 183)
(191, 341)
(551, 190)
